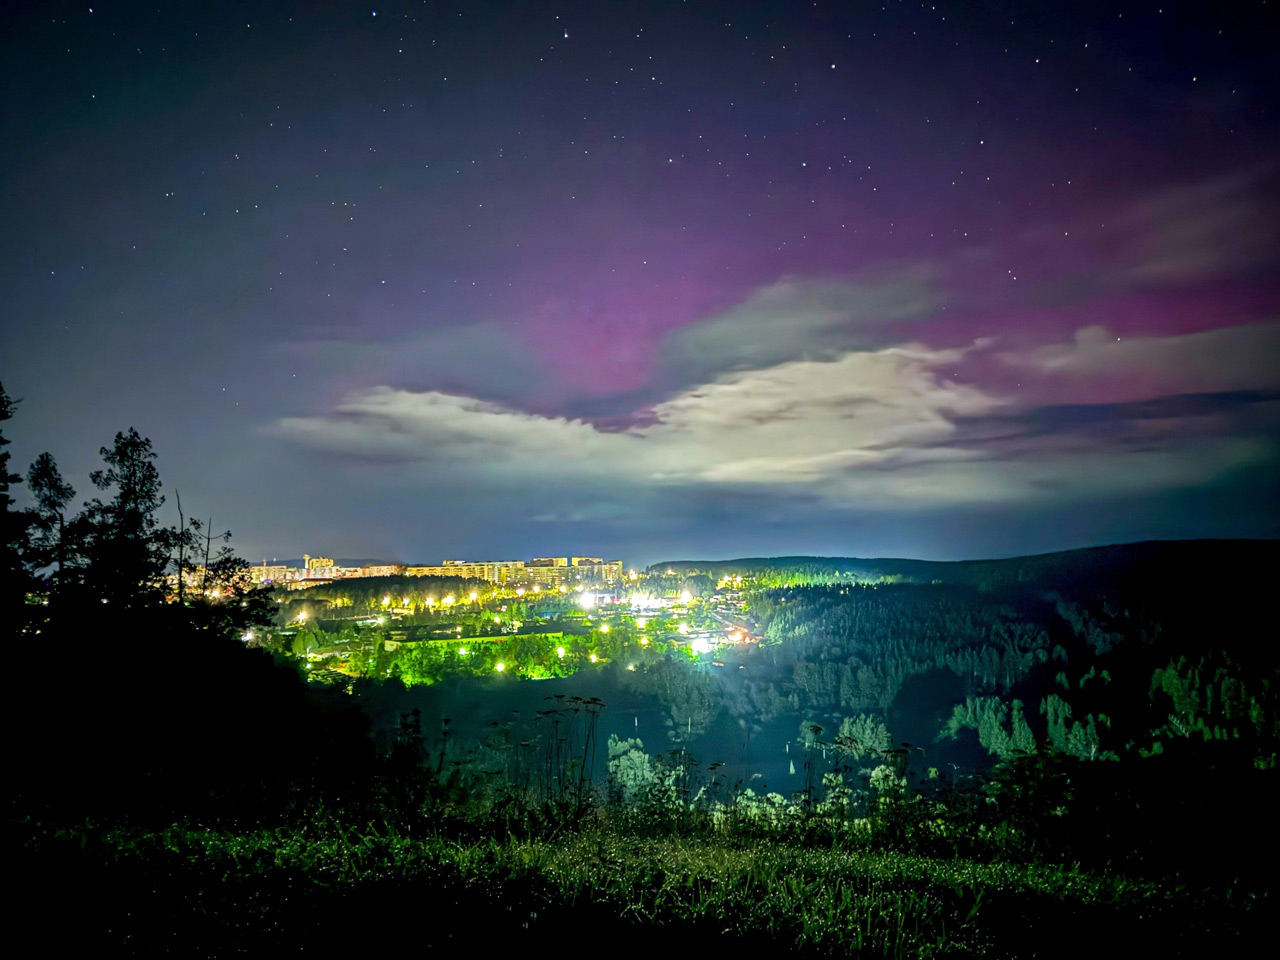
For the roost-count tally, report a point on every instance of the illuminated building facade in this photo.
(547, 571)
(270, 573)
(495, 571)
(381, 570)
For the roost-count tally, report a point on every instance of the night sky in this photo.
(483, 280)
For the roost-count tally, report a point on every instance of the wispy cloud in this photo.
(1107, 368)
(797, 319)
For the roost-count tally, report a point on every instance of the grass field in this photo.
(320, 890)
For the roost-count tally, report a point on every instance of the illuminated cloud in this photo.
(794, 319)
(1108, 368)
(879, 428)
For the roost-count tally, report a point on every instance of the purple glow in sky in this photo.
(674, 279)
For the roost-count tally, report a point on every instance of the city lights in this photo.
(587, 601)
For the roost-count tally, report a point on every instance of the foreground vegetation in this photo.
(300, 889)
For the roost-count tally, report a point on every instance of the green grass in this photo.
(264, 891)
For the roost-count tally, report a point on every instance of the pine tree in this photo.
(49, 545)
(1022, 738)
(126, 550)
(13, 539)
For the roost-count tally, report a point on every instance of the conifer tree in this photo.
(13, 537)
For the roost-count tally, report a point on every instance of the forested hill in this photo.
(1182, 562)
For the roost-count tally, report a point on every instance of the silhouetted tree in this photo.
(49, 543)
(13, 535)
(125, 549)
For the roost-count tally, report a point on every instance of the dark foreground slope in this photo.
(199, 799)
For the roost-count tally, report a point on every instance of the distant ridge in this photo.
(1176, 559)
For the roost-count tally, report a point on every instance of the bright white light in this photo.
(496, 618)
(448, 601)
(642, 622)
(386, 601)
(592, 658)
(248, 636)
(587, 601)
(563, 588)
(644, 641)
(499, 667)
(701, 645)
(519, 591)
(462, 651)
(472, 596)
(631, 666)
(685, 596)
(536, 588)
(683, 629)
(302, 615)
(604, 628)
(560, 652)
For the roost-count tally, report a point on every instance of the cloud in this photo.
(1226, 225)
(795, 319)
(490, 360)
(1115, 368)
(796, 423)
(877, 429)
